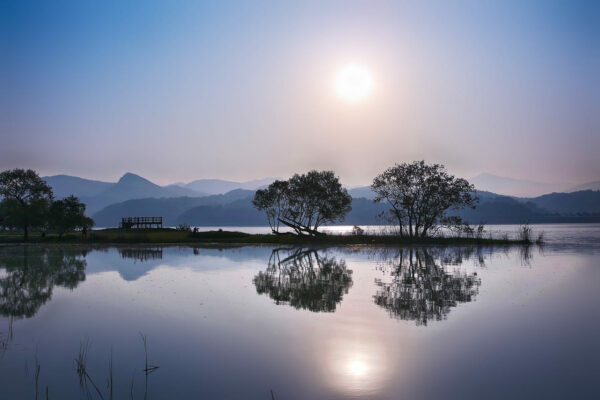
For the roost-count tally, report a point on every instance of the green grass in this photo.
(167, 235)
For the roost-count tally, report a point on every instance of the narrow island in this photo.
(420, 196)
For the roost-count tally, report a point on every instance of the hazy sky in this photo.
(177, 91)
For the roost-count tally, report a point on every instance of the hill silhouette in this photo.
(97, 195)
(235, 209)
(169, 208)
(219, 186)
(180, 203)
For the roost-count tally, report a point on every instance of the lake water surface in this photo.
(304, 323)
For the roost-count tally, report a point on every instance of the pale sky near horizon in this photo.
(177, 91)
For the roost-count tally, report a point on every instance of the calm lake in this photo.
(259, 322)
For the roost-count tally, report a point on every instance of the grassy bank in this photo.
(154, 236)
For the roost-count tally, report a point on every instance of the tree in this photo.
(274, 202)
(67, 215)
(420, 194)
(5, 218)
(304, 202)
(26, 198)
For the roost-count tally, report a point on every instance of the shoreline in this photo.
(172, 236)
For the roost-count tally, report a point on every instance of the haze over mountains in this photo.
(213, 202)
(218, 186)
(525, 188)
(516, 187)
(98, 194)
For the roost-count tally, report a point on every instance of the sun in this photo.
(357, 368)
(353, 83)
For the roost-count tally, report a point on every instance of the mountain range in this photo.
(98, 195)
(212, 202)
(218, 186)
(515, 187)
(235, 209)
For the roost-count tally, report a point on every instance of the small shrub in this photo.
(184, 228)
(525, 233)
(467, 229)
(357, 230)
(480, 230)
(540, 238)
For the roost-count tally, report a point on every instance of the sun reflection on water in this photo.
(356, 368)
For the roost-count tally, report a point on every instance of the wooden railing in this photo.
(141, 222)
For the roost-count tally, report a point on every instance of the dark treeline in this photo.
(27, 203)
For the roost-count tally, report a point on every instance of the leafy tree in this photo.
(26, 198)
(304, 202)
(274, 201)
(420, 194)
(68, 214)
(5, 222)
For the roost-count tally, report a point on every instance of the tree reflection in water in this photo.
(305, 279)
(420, 288)
(29, 277)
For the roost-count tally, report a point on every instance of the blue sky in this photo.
(177, 91)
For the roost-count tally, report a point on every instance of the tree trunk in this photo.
(25, 233)
(300, 229)
(400, 224)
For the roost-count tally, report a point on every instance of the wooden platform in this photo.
(141, 222)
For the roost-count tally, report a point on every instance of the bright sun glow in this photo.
(357, 368)
(353, 82)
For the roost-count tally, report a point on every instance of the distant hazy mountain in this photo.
(132, 186)
(237, 213)
(235, 209)
(177, 190)
(498, 209)
(65, 185)
(362, 191)
(134, 195)
(97, 195)
(586, 186)
(514, 187)
(567, 203)
(169, 208)
(242, 213)
(218, 186)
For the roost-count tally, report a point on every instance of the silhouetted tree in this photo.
(420, 288)
(304, 279)
(420, 194)
(274, 201)
(5, 222)
(67, 215)
(304, 202)
(26, 198)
